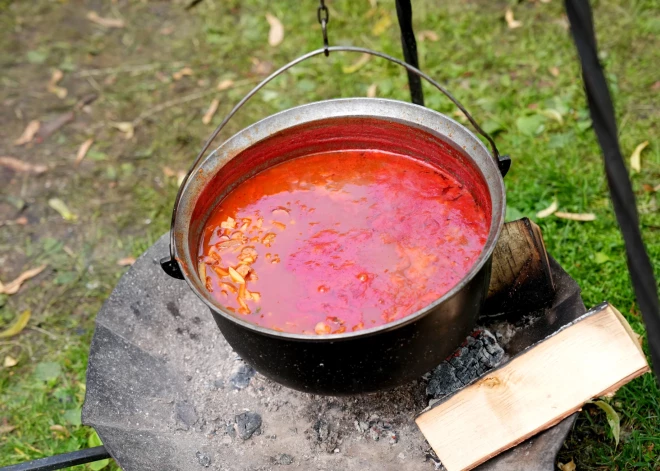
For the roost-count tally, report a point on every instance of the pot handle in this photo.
(170, 264)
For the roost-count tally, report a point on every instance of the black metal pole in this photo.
(409, 45)
(623, 198)
(62, 461)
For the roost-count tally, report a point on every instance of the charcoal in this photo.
(204, 460)
(247, 424)
(241, 378)
(479, 354)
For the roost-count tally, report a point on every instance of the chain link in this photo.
(323, 16)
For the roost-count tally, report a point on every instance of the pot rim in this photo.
(413, 115)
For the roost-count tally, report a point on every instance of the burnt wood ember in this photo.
(163, 400)
(479, 354)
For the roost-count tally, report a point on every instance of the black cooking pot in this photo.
(370, 359)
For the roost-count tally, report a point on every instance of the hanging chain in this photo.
(323, 16)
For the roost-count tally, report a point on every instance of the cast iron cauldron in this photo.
(372, 359)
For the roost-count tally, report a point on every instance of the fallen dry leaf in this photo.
(166, 30)
(19, 166)
(552, 114)
(510, 20)
(357, 65)
(583, 217)
(126, 127)
(382, 25)
(213, 107)
(428, 34)
(6, 429)
(371, 91)
(54, 124)
(460, 116)
(570, 466)
(548, 211)
(656, 86)
(225, 84)
(107, 22)
(656, 188)
(29, 133)
(126, 261)
(61, 92)
(10, 361)
(276, 33)
(59, 429)
(636, 157)
(61, 207)
(185, 72)
(168, 172)
(82, 151)
(18, 325)
(13, 286)
(21, 221)
(554, 71)
(260, 67)
(180, 175)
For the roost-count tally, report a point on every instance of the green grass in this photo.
(123, 199)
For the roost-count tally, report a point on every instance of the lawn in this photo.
(154, 71)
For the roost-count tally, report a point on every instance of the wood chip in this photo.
(13, 286)
(371, 91)
(126, 261)
(29, 133)
(276, 33)
(185, 72)
(52, 87)
(510, 21)
(107, 22)
(548, 211)
(213, 107)
(82, 151)
(19, 166)
(636, 157)
(583, 217)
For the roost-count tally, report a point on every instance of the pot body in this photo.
(363, 364)
(375, 358)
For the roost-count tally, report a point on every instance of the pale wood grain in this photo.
(534, 391)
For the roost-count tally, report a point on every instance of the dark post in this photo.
(409, 45)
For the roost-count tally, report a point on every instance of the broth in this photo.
(340, 241)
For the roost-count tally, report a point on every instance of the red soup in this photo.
(340, 241)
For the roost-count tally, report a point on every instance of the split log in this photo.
(521, 279)
(538, 388)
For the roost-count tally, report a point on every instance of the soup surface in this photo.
(338, 242)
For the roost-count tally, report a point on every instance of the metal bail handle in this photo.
(170, 264)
